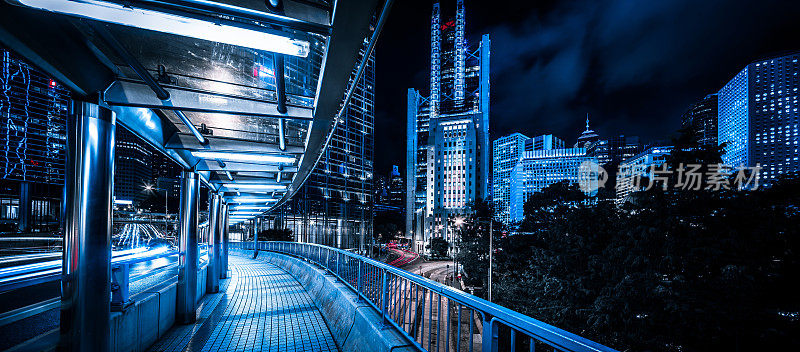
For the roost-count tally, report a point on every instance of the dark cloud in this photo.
(634, 66)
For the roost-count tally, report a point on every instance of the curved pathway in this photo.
(260, 308)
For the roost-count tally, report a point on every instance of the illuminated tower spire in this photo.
(435, 60)
(587, 121)
(460, 54)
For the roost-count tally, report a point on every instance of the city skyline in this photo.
(530, 47)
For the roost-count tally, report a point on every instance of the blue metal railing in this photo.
(156, 261)
(433, 316)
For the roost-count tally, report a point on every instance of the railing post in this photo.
(490, 334)
(384, 294)
(360, 284)
(338, 265)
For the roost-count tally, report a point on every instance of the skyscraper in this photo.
(506, 152)
(447, 153)
(758, 117)
(132, 169)
(701, 118)
(334, 206)
(33, 136)
(396, 188)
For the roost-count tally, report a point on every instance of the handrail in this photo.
(403, 298)
(36, 273)
(31, 274)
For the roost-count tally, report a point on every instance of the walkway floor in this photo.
(259, 308)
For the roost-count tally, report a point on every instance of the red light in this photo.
(52, 83)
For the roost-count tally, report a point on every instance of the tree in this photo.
(473, 242)
(438, 247)
(677, 270)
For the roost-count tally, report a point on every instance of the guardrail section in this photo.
(433, 316)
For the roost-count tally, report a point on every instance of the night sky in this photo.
(634, 66)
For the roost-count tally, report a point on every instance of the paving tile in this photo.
(260, 307)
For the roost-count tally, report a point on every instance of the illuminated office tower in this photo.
(758, 117)
(33, 135)
(633, 170)
(540, 168)
(133, 167)
(701, 118)
(447, 155)
(334, 206)
(506, 152)
(544, 142)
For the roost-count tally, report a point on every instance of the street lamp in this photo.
(458, 222)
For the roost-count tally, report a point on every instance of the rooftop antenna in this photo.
(587, 121)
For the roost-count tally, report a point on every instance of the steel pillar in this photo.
(86, 266)
(223, 232)
(24, 223)
(186, 303)
(256, 224)
(212, 273)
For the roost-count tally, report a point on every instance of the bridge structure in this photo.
(244, 96)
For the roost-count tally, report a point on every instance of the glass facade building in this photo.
(633, 169)
(702, 118)
(132, 166)
(759, 118)
(541, 168)
(506, 152)
(334, 207)
(544, 142)
(33, 138)
(447, 154)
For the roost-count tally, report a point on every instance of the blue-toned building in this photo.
(447, 153)
(632, 171)
(544, 142)
(541, 168)
(506, 152)
(758, 117)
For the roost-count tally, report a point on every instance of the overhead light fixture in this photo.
(254, 186)
(246, 199)
(247, 207)
(110, 12)
(267, 158)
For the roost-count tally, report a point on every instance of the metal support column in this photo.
(212, 273)
(86, 266)
(256, 224)
(186, 302)
(223, 232)
(24, 224)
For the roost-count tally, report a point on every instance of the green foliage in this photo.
(438, 247)
(674, 271)
(473, 243)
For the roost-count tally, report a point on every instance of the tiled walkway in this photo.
(260, 308)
